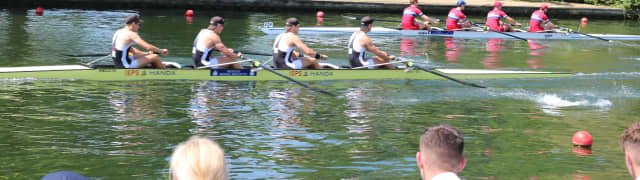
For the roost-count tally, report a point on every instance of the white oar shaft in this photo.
(224, 64)
(94, 61)
(382, 64)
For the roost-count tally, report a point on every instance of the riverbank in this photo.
(475, 7)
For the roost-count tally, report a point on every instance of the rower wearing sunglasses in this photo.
(284, 54)
(125, 55)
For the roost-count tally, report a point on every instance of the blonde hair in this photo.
(198, 159)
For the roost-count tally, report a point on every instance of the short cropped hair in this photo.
(413, 1)
(198, 158)
(630, 140)
(442, 145)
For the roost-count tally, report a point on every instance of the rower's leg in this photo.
(310, 63)
(379, 60)
(424, 26)
(224, 59)
(152, 59)
(508, 28)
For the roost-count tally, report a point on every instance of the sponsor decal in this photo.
(300, 73)
(106, 70)
(232, 72)
(142, 72)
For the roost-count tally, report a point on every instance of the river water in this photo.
(516, 129)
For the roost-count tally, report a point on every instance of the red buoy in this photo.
(582, 138)
(320, 14)
(189, 13)
(39, 11)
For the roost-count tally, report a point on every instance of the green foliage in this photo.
(631, 7)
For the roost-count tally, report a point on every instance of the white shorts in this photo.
(134, 62)
(212, 61)
(368, 62)
(295, 64)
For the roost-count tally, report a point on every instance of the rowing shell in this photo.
(113, 74)
(455, 34)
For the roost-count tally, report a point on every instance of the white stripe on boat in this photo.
(44, 68)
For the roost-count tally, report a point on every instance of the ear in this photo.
(463, 163)
(629, 161)
(419, 160)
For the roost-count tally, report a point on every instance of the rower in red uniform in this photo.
(494, 16)
(539, 20)
(456, 19)
(409, 21)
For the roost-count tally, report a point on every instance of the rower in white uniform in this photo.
(359, 43)
(207, 41)
(284, 54)
(126, 56)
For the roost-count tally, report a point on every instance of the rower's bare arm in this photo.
(512, 21)
(372, 48)
(426, 18)
(226, 51)
(300, 45)
(144, 44)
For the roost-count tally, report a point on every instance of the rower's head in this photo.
(413, 2)
(133, 22)
(292, 25)
(441, 149)
(461, 4)
(366, 23)
(497, 5)
(544, 7)
(630, 143)
(216, 24)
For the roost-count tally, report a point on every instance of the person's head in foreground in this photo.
(440, 153)
(630, 142)
(198, 159)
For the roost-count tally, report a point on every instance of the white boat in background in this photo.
(454, 34)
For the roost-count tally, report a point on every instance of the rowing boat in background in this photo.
(455, 34)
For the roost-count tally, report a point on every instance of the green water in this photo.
(516, 129)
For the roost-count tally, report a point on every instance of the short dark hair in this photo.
(215, 20)
(133, 18)
(365, 21)
(413, 1)
(444, 145)
(292, 22)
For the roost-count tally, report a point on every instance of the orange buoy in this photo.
(320, 14)
(39, 11)
(189, 13)
(582, 138)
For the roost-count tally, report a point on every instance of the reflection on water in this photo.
(279, 130)
(492, 59)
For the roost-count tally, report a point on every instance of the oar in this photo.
(444, 76)
(296, 81)
(224, 64)
(256, 53)
(506, 34)
(381, 64)
(589, 35)
(96, 60)
(85, 55)
(358, 18)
